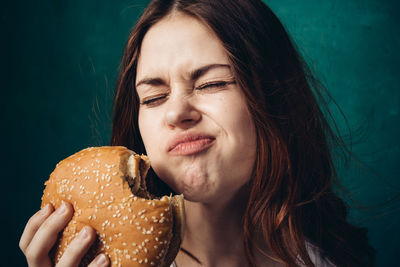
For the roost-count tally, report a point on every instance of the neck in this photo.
(213, 234)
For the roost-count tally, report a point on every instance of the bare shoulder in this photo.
(317, 257)
(315, 253)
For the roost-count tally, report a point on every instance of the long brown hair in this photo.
(292, 202)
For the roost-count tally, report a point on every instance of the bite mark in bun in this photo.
(107, 188)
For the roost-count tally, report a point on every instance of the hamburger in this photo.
(107, 188)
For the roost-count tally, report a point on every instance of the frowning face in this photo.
(193, 117)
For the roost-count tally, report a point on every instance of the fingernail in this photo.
(84, 233)
(101, 259)
(45, 209)
(62, 208)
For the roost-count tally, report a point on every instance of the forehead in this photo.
(179, 43)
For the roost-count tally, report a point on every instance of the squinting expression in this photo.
(193, 117)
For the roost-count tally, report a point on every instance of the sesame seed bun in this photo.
(106, 186)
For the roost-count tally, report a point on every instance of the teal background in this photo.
(59, 64)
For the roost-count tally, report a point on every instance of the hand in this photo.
(41, 234)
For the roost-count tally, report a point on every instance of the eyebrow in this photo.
(194, 75)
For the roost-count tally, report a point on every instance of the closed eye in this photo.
(214, 85)
(153, 100)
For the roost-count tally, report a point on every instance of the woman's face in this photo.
(193, 117)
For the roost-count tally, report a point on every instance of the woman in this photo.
(216, 95)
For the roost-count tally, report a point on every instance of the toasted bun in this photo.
(106, 186)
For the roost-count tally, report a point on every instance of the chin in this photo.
(195, 184)
(198, 192)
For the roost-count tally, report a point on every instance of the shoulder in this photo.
(316, 256)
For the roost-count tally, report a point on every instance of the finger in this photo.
(78, 248)
(47, 233)
(33, 225)
(100, 261)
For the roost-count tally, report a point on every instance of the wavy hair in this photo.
(291, 201)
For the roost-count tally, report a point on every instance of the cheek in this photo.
(236, 119)
(152, 135)
(240, 126)
(147, 131)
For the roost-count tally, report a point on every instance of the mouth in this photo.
(189, 144)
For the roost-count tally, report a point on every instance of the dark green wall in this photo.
(60, 60)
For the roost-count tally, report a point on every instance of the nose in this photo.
(181, 113)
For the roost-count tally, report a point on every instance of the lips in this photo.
(190, 143)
